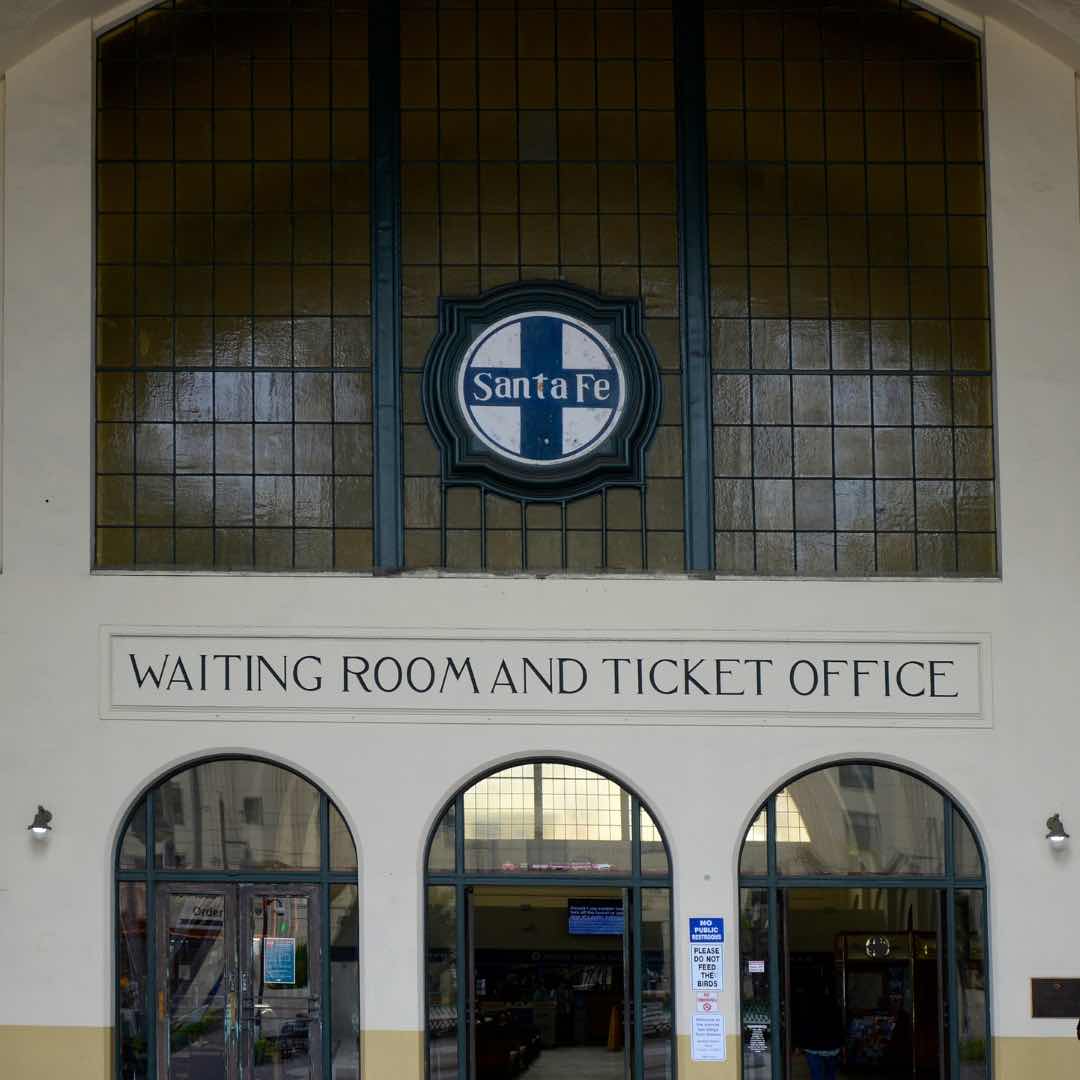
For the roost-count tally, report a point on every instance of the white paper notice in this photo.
(708, 1041)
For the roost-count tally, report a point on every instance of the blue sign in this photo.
(596, 917)
(706, 931)
(706, 954)
(541, 388)
(279, 960)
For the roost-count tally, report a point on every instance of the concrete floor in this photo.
(577, 1063)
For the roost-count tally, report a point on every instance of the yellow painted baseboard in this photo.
(49, 1053)
(1017, 1058)
(85, 1053)
(708, 1070)
(392, 1054)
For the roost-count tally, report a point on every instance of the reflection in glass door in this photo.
(197, 999)
(239, 978)
(214, 860)
(280, 1014)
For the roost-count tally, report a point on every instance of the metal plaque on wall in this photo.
(1055, 999)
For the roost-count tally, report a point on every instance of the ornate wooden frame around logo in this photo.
(617, 460)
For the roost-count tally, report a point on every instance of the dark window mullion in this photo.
(388, 450)
(151, 937)
(693, 224)
(326, 990)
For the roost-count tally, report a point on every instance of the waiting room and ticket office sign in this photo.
(690, 678)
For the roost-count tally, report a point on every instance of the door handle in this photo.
(232, 1020)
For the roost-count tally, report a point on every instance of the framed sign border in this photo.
(619, 459)
(982, 717)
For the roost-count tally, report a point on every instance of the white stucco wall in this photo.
(391, 778)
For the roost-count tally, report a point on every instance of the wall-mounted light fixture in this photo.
(40, 825)
(1056, 833)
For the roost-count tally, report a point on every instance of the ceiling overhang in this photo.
(26, 25)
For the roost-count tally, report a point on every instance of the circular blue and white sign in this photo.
(541, 388)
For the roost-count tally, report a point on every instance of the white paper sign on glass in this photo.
(708, 1041)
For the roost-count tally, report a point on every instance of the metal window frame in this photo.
(694, 280)
(151, 876)
(388, 450)
(635, 882)
(947, 885)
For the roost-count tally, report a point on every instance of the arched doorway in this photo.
(863, 931)
(548, 931)
(237, 932)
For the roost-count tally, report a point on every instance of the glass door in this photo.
(280, 982)
(239, 982)
(197, 982)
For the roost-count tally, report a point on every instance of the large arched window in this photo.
(794, 194)
(549, 934)
(863, 929)
(237, 930)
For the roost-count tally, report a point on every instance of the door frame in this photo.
(631, 972)
(146, 872)
(240, 968)
(317, 960)
(950, 883)
(632, 883)
(230, 933)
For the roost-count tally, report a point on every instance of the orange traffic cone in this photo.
(614, 1030)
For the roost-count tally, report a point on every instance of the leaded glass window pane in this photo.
(442, 856)
(969, 862)
(233, 348)
(654, 857)
(200, 822)
(547, 818)
(539, 144)
(133, 845)
(342, 847)
(852, 385)
(894, 827)
(753, 860)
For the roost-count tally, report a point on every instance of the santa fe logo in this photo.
(541, 388)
